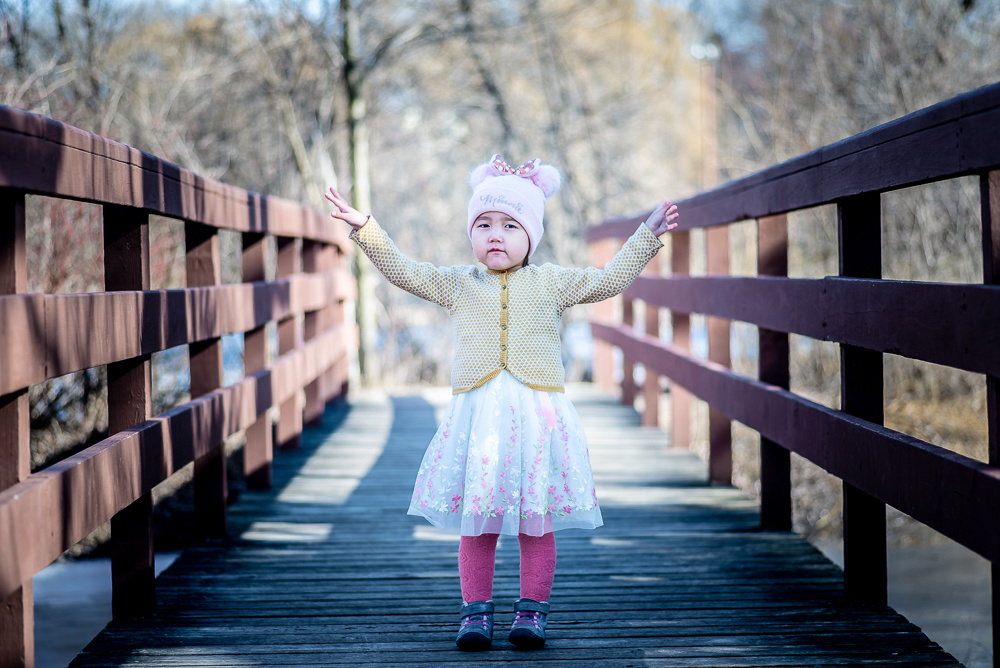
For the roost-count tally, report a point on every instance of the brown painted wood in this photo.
(334, 388)
(128, 324)
(58, 160)
(132, 560)
(13, 249)
(893, 467)
(258, 450)
(45, 513)
(126, 267)
(720, 463)
(312, 325)
(955, 319)
(773, 368)
(22, 321)
(17, 326)
(954, 138)
(14, 438)
(680, 325)
(628, 366)
(17, 617)
(859, 221)
(289, 337)
(17, 627)
(204, 268)
(989, 192)
(955, 324)
(651, 384)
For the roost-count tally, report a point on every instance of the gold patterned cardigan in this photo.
(507, 320)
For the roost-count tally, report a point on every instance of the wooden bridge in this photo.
(686, 572)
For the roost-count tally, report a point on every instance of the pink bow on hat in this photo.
(502, 167)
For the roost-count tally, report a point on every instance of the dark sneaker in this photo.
(476, 631)
(528, 629)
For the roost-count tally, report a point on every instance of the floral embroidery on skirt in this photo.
(507, 459)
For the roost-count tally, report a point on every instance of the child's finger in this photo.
(335, 197)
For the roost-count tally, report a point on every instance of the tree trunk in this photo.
(361, 189)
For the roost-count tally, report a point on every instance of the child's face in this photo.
(499, 241)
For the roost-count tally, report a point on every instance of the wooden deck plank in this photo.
(327, 569)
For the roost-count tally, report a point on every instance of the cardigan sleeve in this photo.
(590, 284)
(423, 279)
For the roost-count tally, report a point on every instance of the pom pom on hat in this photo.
(547, 178)
(519, 192)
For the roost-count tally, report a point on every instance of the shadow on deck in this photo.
(327, 569)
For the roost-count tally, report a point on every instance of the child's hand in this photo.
(661, 220)
(345, 212)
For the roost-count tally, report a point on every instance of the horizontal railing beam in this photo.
(958, 137)
(948, 324)
(902, 471)
(58, 160)
(60, 334)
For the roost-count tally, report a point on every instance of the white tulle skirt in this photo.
(507, 459)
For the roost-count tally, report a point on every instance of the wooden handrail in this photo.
(126, 324)
(954, 138)
(44, 157)
(955, 325)
(43, 336)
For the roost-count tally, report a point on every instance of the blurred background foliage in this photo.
(396, 101)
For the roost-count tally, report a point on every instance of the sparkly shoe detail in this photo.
(476, 631)
(528, 629)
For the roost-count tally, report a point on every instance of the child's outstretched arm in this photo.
(593, 284)
(435, 284)
(661, 220)
(345, 211)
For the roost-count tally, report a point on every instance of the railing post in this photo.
(126, 267)
(720, 432)
(314, 323)
(204, 268)
(336, 377)
(860, 235)
(289, 338)
(990, 203)
(651, 384)
(17, 610)
(628, 366)
(258, 450)
(680, 324)
(603, 365)
(775, 461)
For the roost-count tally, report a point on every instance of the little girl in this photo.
(510, 456)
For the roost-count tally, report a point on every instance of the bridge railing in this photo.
(956, 325)
(43, 336)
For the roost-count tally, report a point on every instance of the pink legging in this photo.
(477, 559)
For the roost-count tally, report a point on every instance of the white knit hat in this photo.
(519, 192)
